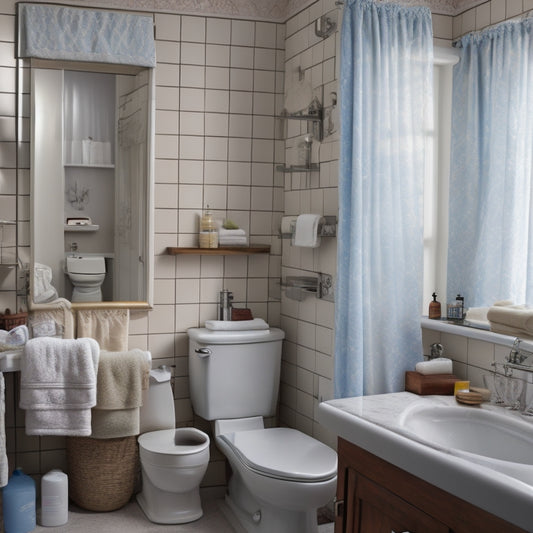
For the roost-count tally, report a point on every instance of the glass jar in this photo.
(208, 236)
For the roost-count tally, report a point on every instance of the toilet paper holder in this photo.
(327, 227)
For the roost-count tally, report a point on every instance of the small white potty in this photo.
(87, 273)
(173, 461)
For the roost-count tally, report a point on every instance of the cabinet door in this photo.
(376, 510)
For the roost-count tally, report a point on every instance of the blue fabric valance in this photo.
(73, 34)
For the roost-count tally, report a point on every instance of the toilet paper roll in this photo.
(306, 233)
(287, 225)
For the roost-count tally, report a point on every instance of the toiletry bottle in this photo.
(19, 503)
(208, 237)
(54, 499)
(460, 304)
(434, 307)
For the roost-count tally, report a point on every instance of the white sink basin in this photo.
(484, 437)
(483, 455)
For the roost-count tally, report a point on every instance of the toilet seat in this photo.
(283, 453)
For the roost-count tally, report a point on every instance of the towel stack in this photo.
(514, 320)
(58, 385)
(232, 237)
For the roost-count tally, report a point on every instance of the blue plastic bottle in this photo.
(19, 503)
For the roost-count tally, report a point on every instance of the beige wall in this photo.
(219, 86)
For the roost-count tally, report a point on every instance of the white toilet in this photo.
(280, 476)
(87, 273)
(173, 461)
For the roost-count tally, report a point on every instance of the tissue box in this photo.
(430, 384)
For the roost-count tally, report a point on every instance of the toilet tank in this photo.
(234, 374)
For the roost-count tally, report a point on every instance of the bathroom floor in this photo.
(131, 519)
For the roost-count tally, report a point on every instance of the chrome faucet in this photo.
(224, 307)
(436, 350)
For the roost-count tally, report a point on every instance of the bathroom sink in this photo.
(503, 443)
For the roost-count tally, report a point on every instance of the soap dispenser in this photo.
(434, 308)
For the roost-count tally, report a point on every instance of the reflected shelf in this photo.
(313, 167)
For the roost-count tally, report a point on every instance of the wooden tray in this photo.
(430, 384)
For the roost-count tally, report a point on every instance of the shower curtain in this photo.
(490, 253)
(386, 109)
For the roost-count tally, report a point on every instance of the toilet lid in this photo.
(181, 441)
(284, 453)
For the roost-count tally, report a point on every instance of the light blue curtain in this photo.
(386, 117)
(490, 254)
(74, 34)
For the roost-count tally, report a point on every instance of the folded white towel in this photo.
(238, 240)
(236, 325)
(60, 422)
(440, 365)
(58, 385)
(477, 314)
(58, 373)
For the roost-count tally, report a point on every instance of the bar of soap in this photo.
(440, 365)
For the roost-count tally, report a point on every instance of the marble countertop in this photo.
(373, 423)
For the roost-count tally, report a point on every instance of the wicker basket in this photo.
(9, 321)
(101, 471)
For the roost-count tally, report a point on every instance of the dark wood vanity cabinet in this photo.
(379, 497)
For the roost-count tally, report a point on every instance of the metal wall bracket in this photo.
(326, 289)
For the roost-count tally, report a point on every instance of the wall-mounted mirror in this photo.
(91, 184)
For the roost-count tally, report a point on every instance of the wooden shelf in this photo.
(221, 250)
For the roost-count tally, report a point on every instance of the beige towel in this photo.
(108, 326)
(62, 315)
(115, 424)
(122, 376)
(515, 320)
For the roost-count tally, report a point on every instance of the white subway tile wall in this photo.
(220, 85)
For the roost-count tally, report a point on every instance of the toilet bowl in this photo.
(173, 461)
(279, 476)
(87, 273)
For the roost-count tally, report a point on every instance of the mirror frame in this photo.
(149, 243)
